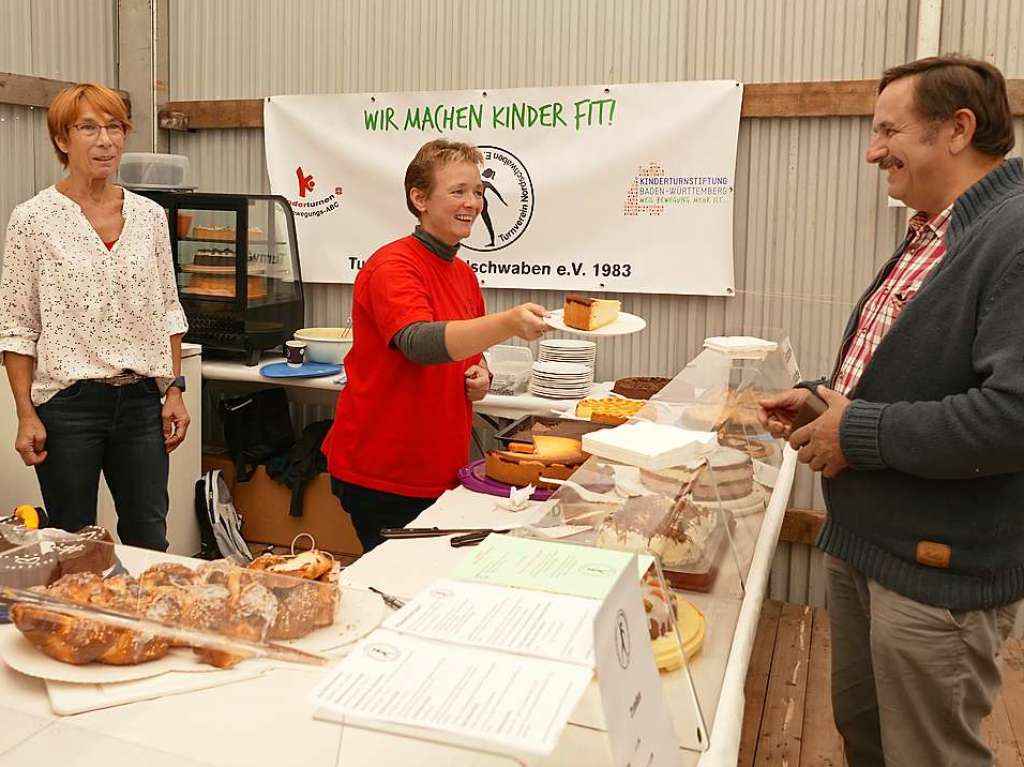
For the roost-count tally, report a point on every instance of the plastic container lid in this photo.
(148, 170)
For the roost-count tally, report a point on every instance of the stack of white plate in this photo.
(568, 350)
(561, 380)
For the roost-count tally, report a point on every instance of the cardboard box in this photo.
(264, 503)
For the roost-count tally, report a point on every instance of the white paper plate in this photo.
(561, 369)
(569, 345)
(360, 612)
(623, 326)
(18, 653)
(557, 396)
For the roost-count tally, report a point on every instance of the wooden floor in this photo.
(788, 716)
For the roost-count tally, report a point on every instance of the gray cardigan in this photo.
(935, 432)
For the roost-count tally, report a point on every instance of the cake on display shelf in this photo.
(224, 232)
(212, 273)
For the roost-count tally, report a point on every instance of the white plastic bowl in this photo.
(328, 345)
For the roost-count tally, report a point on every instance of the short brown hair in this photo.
(67, 106)
(948, 83)
(431, 156)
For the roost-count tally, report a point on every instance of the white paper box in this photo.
(650, 445)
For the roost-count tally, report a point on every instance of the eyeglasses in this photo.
(115, 130)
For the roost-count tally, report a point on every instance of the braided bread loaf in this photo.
(252, 604)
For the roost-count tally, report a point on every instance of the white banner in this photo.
(627, 188)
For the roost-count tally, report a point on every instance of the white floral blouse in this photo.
(83, 311)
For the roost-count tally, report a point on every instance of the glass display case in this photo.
(237, 266)
(687, 480)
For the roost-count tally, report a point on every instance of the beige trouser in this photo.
(911, 682)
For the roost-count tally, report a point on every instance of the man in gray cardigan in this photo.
(922, 445)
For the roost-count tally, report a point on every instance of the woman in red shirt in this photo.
(403, 420)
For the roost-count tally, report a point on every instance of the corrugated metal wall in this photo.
(61, 39)
(811, 224)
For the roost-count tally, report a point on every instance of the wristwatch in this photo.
(178, 381)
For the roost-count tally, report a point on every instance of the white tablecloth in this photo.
(267, 720)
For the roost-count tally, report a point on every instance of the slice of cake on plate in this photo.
(585, 313)
(525, 464)
(676, 531)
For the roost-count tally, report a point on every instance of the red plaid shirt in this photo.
(925, 249)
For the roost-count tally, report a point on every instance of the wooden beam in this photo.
(837, 98)
(831, 98)
(809, 99)
(134, 41)
(28, 91)
(801, 526)
(226, 113)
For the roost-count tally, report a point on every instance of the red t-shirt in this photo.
(401, 427)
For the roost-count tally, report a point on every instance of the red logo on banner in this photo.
(306, 183)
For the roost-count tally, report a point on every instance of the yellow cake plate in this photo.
(692, 627)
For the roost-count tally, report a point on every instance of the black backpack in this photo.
(302, 463)
(256, 427)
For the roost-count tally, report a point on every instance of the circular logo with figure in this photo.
(508, 201)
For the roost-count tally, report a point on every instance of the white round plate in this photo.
(623, 326)
(569, 345)
(561, 368)
(18, 653)
(359, 613)
(554, 383)
(561, 389)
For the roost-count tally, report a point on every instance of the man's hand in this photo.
(478, 382)
(776, 413)
(818, 441)
(31, 440)
(175, 418)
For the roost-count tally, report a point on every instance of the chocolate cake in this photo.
(640, 387)
(28, 566)
(214, 257)
(92, 552)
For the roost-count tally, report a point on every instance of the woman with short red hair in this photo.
(416, 365)
(91, 327)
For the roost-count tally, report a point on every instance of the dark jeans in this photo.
(93, 427)
(372, 510)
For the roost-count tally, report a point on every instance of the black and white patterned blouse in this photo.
(83, 311)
